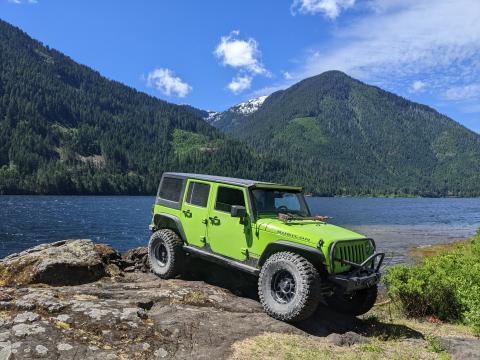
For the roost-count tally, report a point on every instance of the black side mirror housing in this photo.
(238, 211)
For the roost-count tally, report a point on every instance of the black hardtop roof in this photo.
(221, 179)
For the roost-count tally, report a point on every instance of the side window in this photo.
(197, 194)
(171, 189)
(226, 197)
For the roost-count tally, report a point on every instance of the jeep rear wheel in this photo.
(288, 287)
(357, 303)
(165, 253)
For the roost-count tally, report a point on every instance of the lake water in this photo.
(122, 221)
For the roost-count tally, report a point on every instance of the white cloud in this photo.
(240, 54)
(164, 80)
(330, 8)
(465, 92)
(287, 75)
(418, 85)
(393, 42)
(240, 83)
(18, 2)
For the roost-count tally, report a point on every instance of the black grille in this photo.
(355, 252)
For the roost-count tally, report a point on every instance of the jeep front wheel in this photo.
(288, 287)
(356, 303)
(165, 253)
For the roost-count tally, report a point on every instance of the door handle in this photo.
(187, 213)
(214, 220)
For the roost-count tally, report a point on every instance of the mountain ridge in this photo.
(65, 129)
(362, 130)
(228, 120)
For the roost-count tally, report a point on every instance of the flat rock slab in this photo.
(138, 313)
(462, 348)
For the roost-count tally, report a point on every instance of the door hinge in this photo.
(245, 252)
(203, 239)
(205, 221)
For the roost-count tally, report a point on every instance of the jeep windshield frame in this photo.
(264, 202)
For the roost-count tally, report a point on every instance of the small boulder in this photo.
(67, 262)
(348, 339)
(137, 259)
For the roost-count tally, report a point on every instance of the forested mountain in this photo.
(341, 136)
(65, 129)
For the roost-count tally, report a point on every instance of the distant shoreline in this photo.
(307, 196)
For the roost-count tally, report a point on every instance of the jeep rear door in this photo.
(195, 212)
(228, 235)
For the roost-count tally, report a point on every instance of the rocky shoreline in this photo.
(75, 299)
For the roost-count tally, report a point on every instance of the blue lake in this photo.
(122, 221)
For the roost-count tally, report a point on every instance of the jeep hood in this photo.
(307, 231)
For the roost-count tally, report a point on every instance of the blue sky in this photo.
(213, 54)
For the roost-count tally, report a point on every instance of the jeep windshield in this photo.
(275, 201)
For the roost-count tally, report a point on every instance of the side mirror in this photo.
(238, 211)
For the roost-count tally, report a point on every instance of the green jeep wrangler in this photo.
(267, 230)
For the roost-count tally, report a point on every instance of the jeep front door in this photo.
(195, 212)
(228, 235)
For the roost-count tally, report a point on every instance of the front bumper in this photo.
(354, 282)
(362, 275)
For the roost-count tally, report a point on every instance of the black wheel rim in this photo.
(283, 287)
(161, 254)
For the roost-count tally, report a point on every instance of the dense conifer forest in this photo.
(341, 136)
(65, 129)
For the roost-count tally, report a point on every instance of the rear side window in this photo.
(197, 194)
(226, 197)
(171, 189)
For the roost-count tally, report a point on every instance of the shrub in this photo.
(446, 286)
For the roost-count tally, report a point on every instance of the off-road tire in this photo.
(307, 287)
(166, 241)
(357, 303)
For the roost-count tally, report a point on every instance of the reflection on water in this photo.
(122, 221)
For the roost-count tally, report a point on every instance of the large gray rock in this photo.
(67, 262)
(139, 314)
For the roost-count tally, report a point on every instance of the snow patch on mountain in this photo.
(229, 119)
(212, 116)
(248, 107)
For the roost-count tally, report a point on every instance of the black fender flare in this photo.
(170, 219)
(314, 255)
